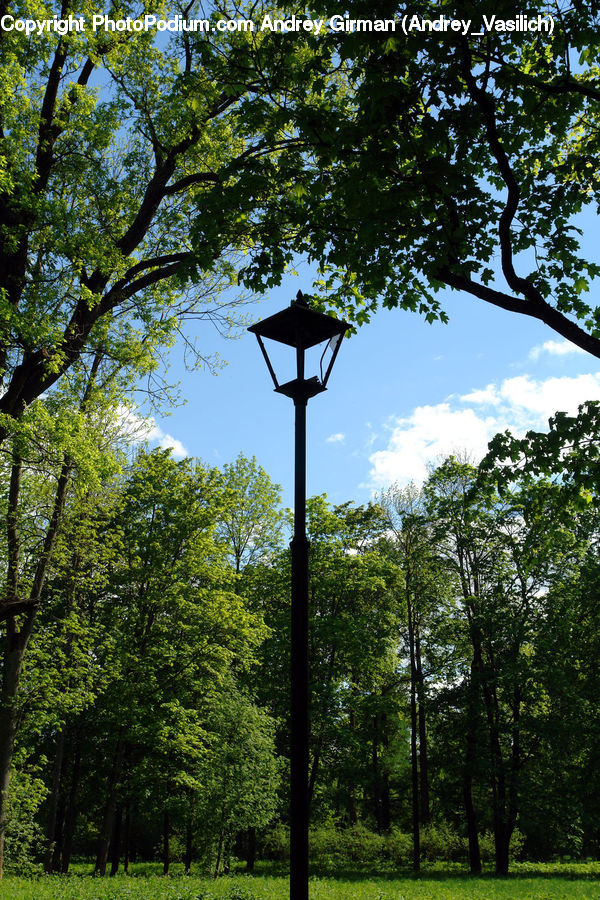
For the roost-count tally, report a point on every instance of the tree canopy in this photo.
(109, 144)
(437, 158)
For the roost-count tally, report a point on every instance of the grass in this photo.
(576, 881)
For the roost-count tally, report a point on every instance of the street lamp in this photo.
(301, 328)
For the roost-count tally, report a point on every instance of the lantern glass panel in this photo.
(299, 345)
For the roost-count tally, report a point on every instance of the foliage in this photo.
(454, 160)
(569, 450)
(27, 792)
(239, 776)
(110, 142)
(332, 847)
(146, 648)
(157, 682)
(251, 521)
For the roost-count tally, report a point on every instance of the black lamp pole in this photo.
(300, 700)
(300, 327)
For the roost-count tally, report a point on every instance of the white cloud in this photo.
(138, 429)
(429, 433)
(487, 396)
(468, 422)
(168, 442)
(554, 348)
(524, 398)
(338, 438)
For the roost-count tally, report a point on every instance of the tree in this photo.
(251, 520)
(352, 659)
(434, 154)
(558, 812)
(111, 141)
(568, 450)
(108, 141)
(149, 643)
(178, 626)
(239, 776)
(504, 554)
(422, 591)
(61, 448)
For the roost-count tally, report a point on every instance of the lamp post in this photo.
(301, 328)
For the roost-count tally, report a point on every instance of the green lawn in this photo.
(539, 882)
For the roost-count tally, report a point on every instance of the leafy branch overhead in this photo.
(568, 451)
(439, 160)
(141, 177)
(110, 143)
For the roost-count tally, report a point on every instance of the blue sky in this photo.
(402, 393)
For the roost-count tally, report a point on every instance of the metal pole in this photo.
(299, 669)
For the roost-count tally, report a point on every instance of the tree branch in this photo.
(542, 311)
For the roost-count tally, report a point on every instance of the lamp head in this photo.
(300, 327)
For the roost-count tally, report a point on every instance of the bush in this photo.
(241, 893)
(24, 839)
(330, 845)
(276, 844)
(363, 846)
(399, 847)
(440, 842)
(326, 845)
(487, 850)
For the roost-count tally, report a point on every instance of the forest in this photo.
(453, 658)
(152, 183)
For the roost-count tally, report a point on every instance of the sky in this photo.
(402, 394)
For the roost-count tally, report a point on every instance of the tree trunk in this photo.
(515, 768)
(14, 653)
(498, 770)
(471, 818)
(501, 847)
(16, 607)
(60, 834)
(127, 837)
(425, 813)
(109, 810)
(53, 806)
(414, 759)
(250, 849)
(314, 767)
(72, 810)
(470, 756)
(375, 771)
(498, 778)
(115, 849)
(385, 781)
(188, 846)
(220, 845)
(505, 813)
(349, 789)
(166, 853)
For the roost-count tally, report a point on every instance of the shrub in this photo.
(361, 845)
(276, 844)
(330, 845)
(399, 847)
(240, 893)
(517, 842)
(440, 842)
(326, 845)
(486, 845)
(23, 837)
